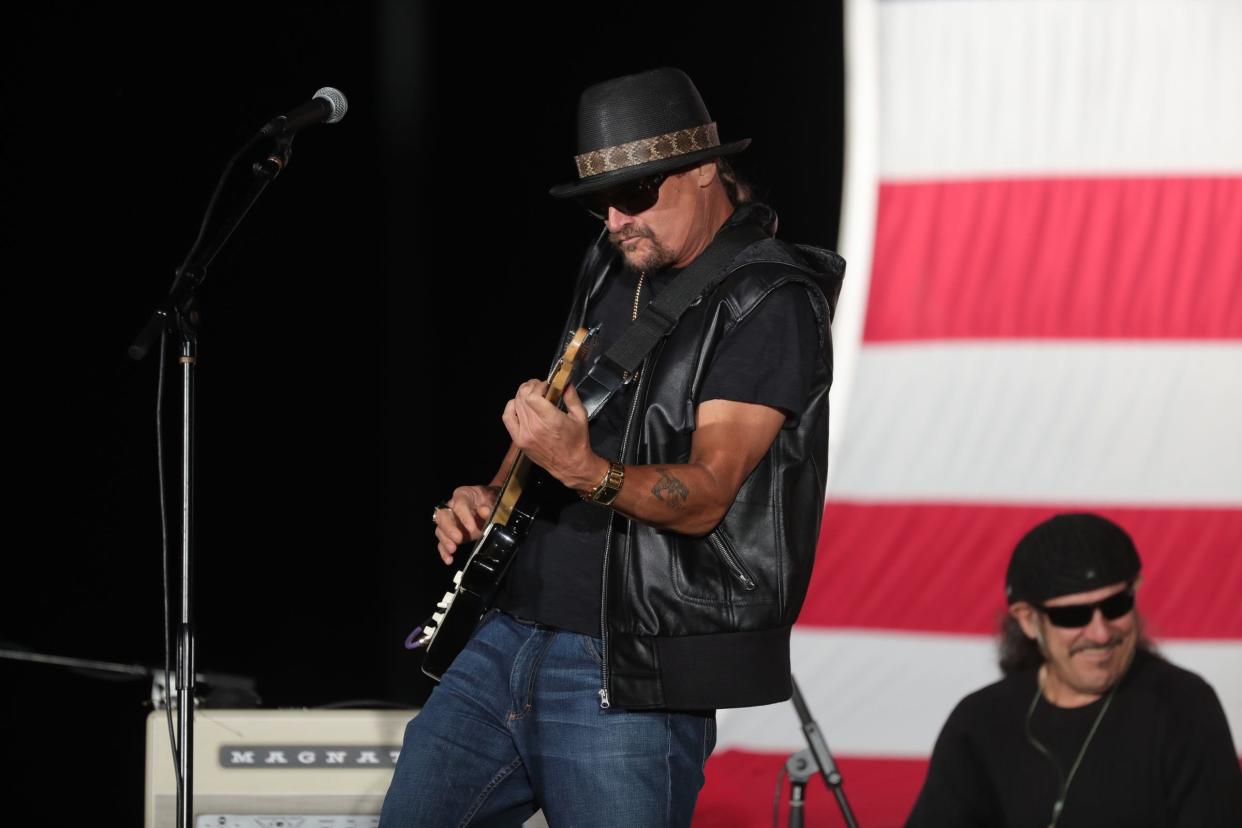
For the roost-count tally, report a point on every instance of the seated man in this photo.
(1089, 727)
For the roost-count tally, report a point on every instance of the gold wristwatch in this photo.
(605, 492)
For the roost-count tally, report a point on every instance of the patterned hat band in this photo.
(644, 150)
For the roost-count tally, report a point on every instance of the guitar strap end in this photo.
(598, 386)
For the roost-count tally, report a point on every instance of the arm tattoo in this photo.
(670, 490)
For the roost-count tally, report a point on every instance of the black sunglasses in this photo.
(1080, 615)
(630, 198)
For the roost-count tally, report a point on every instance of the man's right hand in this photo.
(468, 510)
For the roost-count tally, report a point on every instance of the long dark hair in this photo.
(1017, 652)
(737, 188)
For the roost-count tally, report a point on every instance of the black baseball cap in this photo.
(1070, 553)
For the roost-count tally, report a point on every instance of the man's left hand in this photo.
(557, 441)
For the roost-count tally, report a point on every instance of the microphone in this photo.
(327, 106)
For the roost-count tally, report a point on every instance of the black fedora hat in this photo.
(637, 125)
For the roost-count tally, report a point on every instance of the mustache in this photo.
(1111, 643)
(631, 233)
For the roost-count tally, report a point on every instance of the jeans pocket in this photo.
(592, 647)
(709, 737)
(487, 618)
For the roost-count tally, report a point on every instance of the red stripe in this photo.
(940, 568)
(1067, 258)
(741, 786)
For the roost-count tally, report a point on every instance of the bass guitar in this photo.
(475, 585)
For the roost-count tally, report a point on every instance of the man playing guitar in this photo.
(676, 531)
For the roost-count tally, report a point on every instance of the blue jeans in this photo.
(516, 725)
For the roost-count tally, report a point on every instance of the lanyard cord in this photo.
(1030, 737)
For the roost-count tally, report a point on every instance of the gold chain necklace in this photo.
(638, 291)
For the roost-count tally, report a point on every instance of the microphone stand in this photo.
(806, 763)
(178, 312)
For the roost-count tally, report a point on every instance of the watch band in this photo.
(605, 492)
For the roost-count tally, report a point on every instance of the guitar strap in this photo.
(661, 314)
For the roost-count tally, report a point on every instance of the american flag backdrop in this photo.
(1042, 313)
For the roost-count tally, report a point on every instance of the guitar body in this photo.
(475, 588)
(476, 584)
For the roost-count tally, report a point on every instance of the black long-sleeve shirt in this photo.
(1162, 756)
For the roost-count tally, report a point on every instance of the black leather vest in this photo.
(695, 623)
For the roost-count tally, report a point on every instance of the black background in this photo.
(361, 330)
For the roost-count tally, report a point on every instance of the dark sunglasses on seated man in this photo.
(630, 198)
(1080, 615)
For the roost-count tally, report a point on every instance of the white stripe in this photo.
(1036, 87)
(1100, 423)
(888, 694)
(872, 693)
(858, 206)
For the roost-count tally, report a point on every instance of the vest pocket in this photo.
(719, 542)
(709, 570)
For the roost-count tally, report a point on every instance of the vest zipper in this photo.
(604, 700)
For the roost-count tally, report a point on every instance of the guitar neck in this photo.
(515, 483)
(558, 378)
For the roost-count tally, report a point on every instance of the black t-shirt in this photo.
(769, 359)
(1161, 756)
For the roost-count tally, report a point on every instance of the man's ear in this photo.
(707, 172)
(1027, 619)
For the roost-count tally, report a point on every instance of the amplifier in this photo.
(264, 767)
(280, 768)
